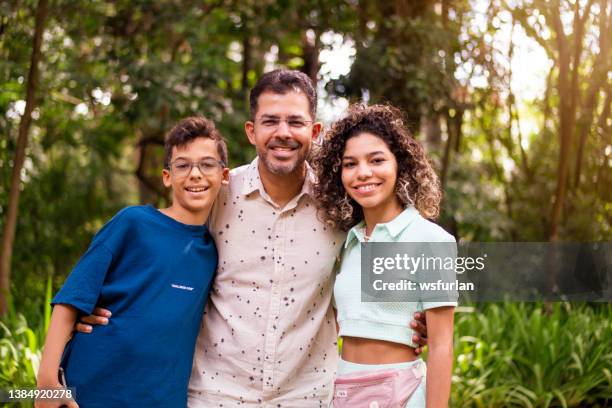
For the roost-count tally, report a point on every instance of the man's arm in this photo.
(419, 325)
(99, 316)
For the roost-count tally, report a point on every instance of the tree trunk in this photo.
(246, 54)
(566, 126)
(430, 127)
(458, 125)
(598, 80)
(447, 150)
(311, 54)
(602, 179)
(362, 10)
(546, 102)
(10, 224)
(151, 191)
(602, 123)
(444, 7)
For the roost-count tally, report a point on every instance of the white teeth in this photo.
(196, 189)
(283, 149)
(366, 188)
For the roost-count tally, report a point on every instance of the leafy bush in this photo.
(21, 345)
(520, 355)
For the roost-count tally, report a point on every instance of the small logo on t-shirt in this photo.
(182, 287)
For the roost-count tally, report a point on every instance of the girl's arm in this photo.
(60, 329)
(440, 357)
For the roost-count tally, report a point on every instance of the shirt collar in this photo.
(393, 227)
(355, 233)
(252, 181)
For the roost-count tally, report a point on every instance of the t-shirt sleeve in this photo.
(83, 286)
(433, 305)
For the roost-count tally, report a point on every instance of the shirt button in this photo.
(374, 404)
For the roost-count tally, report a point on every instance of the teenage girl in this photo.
(375, 182)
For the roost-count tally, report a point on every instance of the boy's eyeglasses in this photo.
(208, 167)
(271, 123)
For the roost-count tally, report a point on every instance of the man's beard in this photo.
(284, 168)
(287, 167)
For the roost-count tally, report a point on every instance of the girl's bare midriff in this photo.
(368, 351)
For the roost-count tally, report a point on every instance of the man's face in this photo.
(282, 131)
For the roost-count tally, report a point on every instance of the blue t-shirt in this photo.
(154, 274)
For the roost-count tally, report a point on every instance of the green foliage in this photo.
(19, 352)
(409, 50)
(21, 343)
(517, 354)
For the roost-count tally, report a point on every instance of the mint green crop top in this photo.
(381, 320)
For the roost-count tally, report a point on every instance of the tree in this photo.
(10, 224)
(408, 46)
(576, 108)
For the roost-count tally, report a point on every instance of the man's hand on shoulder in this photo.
(419, 325)
(86, 323)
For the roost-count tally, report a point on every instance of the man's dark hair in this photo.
(281, 81)
(189, 129)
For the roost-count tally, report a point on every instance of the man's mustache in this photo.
(290, 144)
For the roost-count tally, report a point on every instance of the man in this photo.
(268, 335)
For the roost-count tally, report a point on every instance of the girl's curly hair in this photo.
(417, 184)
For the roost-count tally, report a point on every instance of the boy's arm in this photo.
(440, 357)
(60, 328)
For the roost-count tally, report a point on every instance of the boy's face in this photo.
(195, 175)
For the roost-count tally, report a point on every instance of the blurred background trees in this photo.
(510, 97)
(114, 76)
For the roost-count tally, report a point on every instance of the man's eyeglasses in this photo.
(272, 123)
(208, 167)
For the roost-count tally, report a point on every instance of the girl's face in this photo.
(369, 173)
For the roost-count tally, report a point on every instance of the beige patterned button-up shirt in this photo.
(268, 336)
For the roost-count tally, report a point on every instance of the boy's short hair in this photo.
(189, 129)
(281, 81)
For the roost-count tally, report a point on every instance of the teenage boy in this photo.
(268, 336)
(152, 269)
